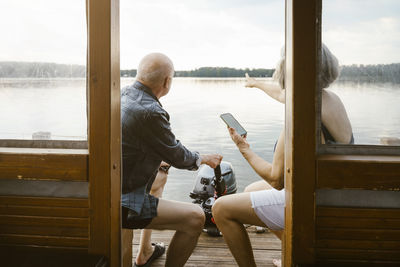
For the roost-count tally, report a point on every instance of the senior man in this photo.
(147, 140)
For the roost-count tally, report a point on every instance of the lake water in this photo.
(59, 106)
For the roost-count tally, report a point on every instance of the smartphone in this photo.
(233, 123)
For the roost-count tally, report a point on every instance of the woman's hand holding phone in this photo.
(240, 141)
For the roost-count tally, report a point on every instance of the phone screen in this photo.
(233, 123)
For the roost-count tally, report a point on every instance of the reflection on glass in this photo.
(197, 124)
(43, 70)
(364, 36)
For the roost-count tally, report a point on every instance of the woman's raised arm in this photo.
(271, 89)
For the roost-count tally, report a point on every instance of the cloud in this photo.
(368, 35)
(232, 33)
(43, 30)
(200, 33)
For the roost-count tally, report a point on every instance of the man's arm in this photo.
(158, 135)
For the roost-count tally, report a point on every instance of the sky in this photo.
(226, 33)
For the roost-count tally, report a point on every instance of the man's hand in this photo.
(240, 141)
(250, 82)
(164, 167)
(212, 160)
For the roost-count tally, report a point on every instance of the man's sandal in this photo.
(159, 249)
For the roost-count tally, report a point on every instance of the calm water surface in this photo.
(59, 106)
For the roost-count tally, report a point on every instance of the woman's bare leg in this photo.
(230, 213)
(257, 186)
(277, 263)
(263, 185)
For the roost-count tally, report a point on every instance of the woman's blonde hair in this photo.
(329, 68)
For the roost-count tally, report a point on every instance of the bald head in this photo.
(154, 69)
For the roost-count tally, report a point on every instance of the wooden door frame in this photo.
(104, 134)
(97, 161)
(300, 132)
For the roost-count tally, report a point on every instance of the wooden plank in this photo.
(117, 251)
(127, 239)
(104, 129)
(360, 223)
(45, 230)
(356, 263)
(359, 244)
(55, 144)
(42, 249)
(358, 254)
(213, 251)
(258, 241)
(40, 256)
(43, 221)
(43, 165)
(358, 172)
(42, 151)
(358, 212)
(300, 131)
(37, 240)
(44, 201)
(44, 211)
(357, 234)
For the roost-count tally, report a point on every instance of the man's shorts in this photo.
(132, 220)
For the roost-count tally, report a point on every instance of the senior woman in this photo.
(263, 202)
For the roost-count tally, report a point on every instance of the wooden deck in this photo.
(213, 251)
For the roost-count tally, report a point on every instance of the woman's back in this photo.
(335, 119)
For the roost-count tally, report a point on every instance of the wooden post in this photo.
(127, 239)
(300, 132)
(104, 135)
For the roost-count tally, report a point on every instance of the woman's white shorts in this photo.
(269, 205)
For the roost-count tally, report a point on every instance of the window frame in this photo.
(99, 158)
(61, 143)
(308, 165)
(343, 149)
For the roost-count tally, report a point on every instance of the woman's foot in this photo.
(260, 229)
(277, 263)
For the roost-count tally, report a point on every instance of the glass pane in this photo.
(365, 38)
(242, 36)
(43, 70)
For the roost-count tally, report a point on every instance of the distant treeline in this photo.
(224, 72)
(212, 72)
(40, 70)
(371, 73)
(356, 73)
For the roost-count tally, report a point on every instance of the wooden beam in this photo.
(300, 131)
(358, 212)
(65, 144)
(44, 201)
(358, 172)
(104, 129)
(127, 247)
(46, 164)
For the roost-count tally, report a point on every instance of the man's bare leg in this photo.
(145, 248)
(188, 220)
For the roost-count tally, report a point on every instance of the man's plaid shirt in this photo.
(147, 139)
